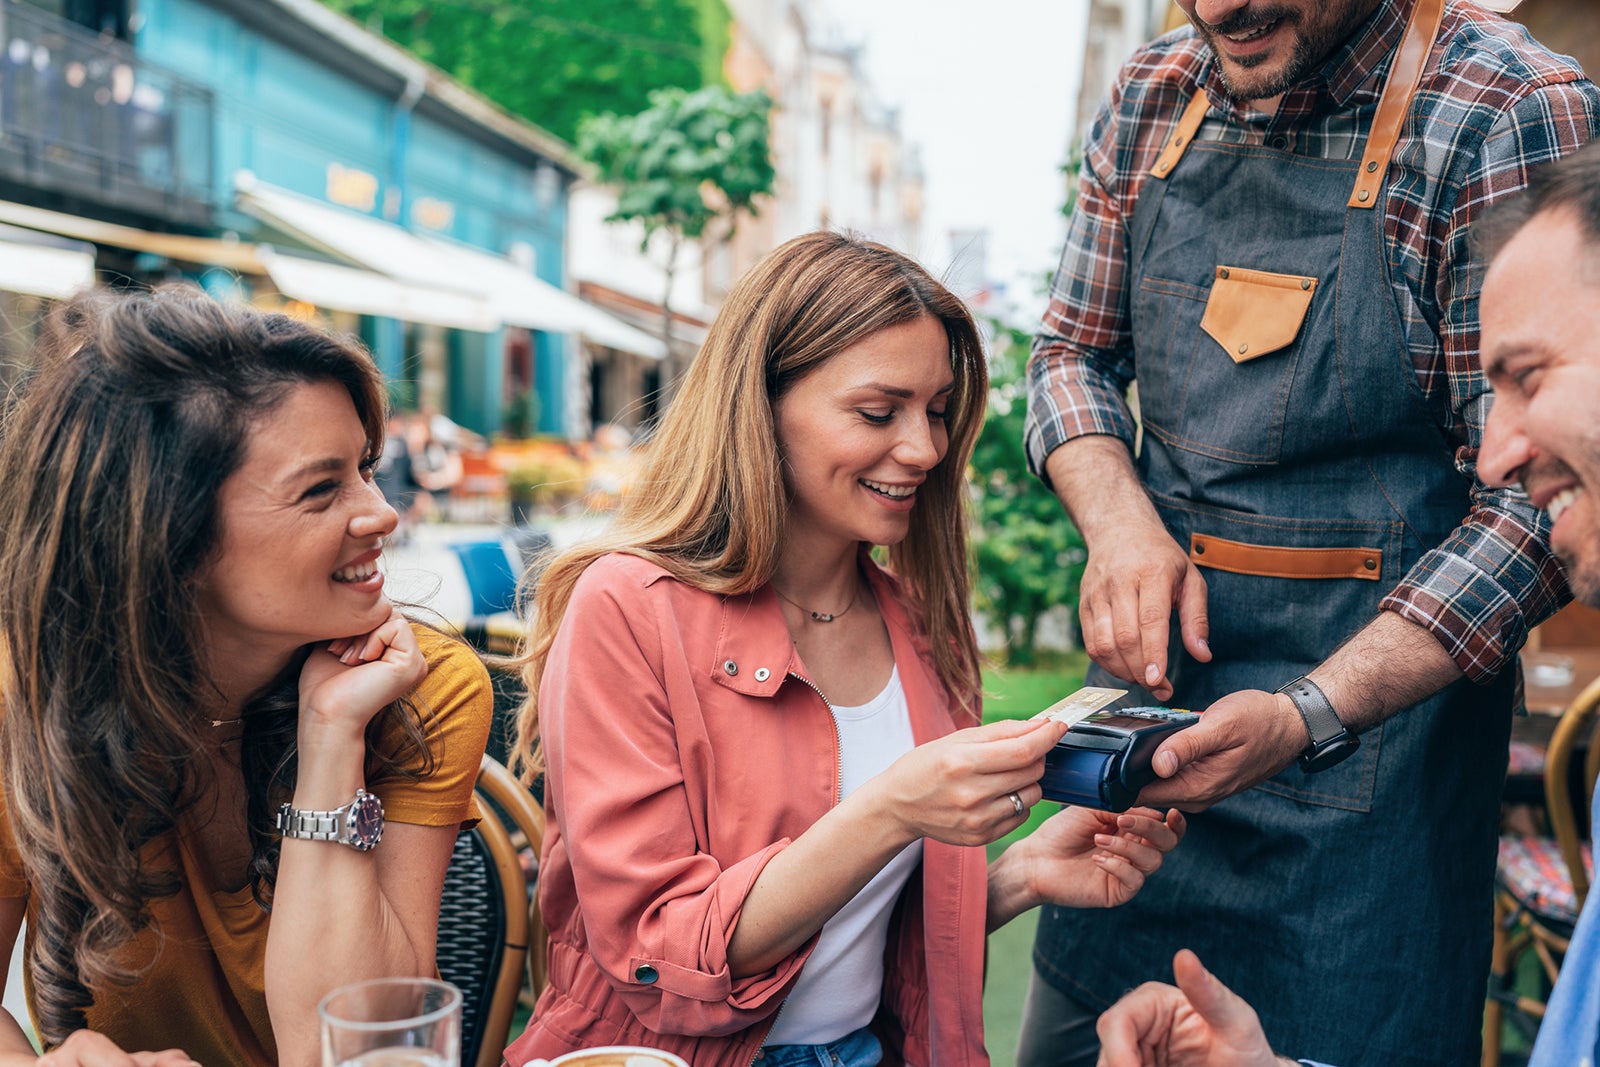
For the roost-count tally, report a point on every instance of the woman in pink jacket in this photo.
(766, 785)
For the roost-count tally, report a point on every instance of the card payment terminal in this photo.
(1104, 759)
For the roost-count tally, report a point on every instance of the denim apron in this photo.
(1281, 411)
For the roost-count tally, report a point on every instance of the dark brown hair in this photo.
(139, 406)
(1571, 184)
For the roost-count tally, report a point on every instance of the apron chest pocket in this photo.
(1253, 313)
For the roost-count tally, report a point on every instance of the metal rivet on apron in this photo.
(1177, 139)
(1371, 564)
(730, 667)
(1372, 165)
(1222, 272)
(1200, 548)
(1243, 349)
(762, 674)
(1305, 283)
(1362, 196)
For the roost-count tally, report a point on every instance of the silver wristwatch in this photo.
(358, 824)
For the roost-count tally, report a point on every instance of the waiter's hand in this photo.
(1133, 581)
(1136, 575)
(1242, 739)
(1201, 1023)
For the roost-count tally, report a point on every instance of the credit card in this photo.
(1076, 707)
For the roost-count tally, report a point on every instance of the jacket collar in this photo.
(755, 655)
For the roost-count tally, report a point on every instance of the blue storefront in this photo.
(307, 103)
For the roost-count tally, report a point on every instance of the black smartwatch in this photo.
(1331, 743)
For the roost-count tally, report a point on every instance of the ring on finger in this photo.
(1016, 804)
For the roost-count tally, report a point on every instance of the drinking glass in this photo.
(392, 1022)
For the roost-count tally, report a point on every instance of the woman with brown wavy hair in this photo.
(202, 681)
(765, 780)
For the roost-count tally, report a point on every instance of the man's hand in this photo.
(1137, 575)
(1241, 740)
(1131, 584)
(1201, 1023)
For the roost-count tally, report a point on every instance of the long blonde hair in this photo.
(710, 506)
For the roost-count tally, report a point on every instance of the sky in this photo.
(987, 91)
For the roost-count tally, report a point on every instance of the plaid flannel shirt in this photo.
(1494, 577)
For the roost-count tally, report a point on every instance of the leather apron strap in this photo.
(1421, 31)
(1183, 136)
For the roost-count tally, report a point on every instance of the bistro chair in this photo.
(492, 585)
(486, 922)
(1541, 881)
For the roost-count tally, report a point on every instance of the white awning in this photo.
(233, 255)
(44, 270)
(510, 294)
(608, 331)
(521, 299)
(367, 293)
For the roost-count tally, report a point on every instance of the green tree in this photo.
(555, 62)
(688, 164)
(1028, 557)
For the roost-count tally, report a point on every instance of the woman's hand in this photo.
(87, 1048)
(344, 683)
(1082, 858)
(959, 788)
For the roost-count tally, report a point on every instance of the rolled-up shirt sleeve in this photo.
(1494, 578)
(658, 909)
(1082, 359)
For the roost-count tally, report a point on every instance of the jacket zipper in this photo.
(838, 788)
(838, 745)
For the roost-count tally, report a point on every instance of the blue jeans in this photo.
(859, 1049)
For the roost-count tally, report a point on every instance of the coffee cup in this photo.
(613, 1056)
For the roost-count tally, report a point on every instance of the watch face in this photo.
(366, 821)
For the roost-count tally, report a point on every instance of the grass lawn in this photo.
(1017, 693)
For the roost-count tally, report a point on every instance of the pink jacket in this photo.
(685, 748)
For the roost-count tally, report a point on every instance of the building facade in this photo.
(841, 160)
(275, 151)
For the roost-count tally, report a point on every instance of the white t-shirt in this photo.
(839, 987)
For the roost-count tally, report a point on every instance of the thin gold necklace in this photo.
(822, 616)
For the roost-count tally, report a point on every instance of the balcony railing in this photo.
(83, 115)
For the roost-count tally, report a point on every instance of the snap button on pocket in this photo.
(730, 668)
(762, 674)
(645, 974)
(1252, 313)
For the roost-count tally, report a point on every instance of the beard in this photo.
(1312, 45)
(1583, 576)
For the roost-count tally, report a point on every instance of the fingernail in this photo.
(1205, 646)
(1102, 839)
(1152, 674)
(1165, 764)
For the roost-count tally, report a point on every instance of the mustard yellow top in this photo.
(204, 991)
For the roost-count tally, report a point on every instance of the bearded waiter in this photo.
(1270, 238)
